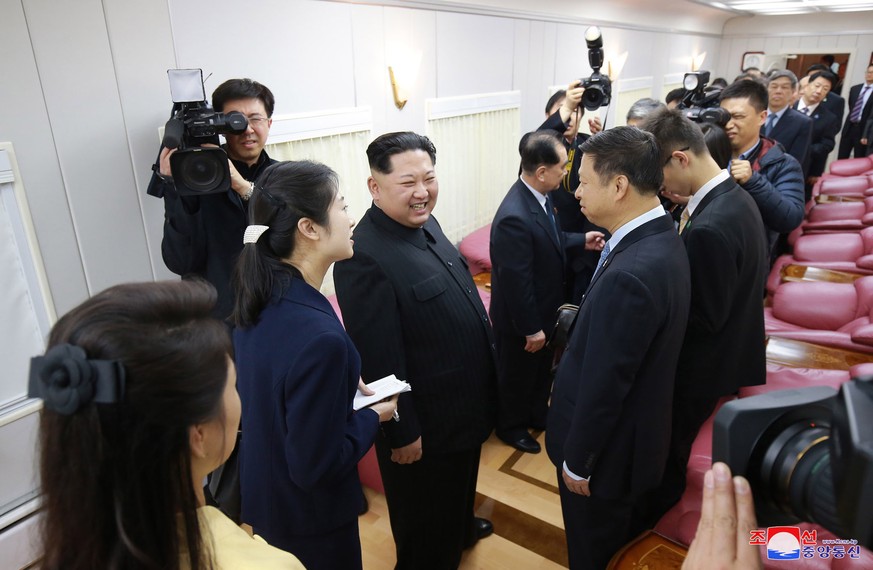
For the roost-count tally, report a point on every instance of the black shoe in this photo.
(521, 440)
(481, 529)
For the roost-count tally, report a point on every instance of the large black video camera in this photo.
(598, 87)
(198, 170)
(807, 453)
(701, 104)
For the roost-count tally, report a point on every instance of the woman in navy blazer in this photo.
(298, 372)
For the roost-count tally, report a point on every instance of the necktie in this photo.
(859, 105)
(550, 213)
(603, 255)
(683, 219)
(768, 125)
(805, 111)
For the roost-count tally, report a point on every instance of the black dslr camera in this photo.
(807, 453)
(197, 170)
(598, 88)
(701, 104)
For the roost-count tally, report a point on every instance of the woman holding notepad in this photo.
(298, 371)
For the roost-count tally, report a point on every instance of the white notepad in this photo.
(383, 388)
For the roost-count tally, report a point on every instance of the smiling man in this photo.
(203, 235)
(410, 305)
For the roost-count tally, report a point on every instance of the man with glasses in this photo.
(726, 244)
(203, 235)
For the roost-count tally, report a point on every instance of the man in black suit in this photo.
(832, 100)
(727, 251)
(784, 124)
(860, 105)
(825, 125)
(564, 114)
(528, 284)
(609, 424)
(411, 307)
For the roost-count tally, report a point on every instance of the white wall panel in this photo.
(24, 122)
(72, 53)
(371, 82)
(473, 54)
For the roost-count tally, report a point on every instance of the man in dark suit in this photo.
(784, 124)
(860, 106)
(564, 113)
(411, 307)
(727, 251)
(528, 284)
(609, 424)
(832, 100)
(825, 124)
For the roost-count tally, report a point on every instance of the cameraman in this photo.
(203, 235)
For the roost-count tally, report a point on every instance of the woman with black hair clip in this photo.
(140, 404)
(299, 371)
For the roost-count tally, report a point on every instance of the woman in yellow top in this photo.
(140, 404)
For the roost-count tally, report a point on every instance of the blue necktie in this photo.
(768, 125)
(603, 255)
(550, 212)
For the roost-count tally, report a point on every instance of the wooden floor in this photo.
(517, 492)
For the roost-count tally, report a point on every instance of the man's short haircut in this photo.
(245, 88)
(642, 108)
(817, 67)
(747, 77)
(557, 96)
(539, 148)
(829, 59)
(751, 90)
(720, 82)
(385, 146)
(718, 143)
(674, 131)
(826, 75)
(675, 95)
(780, 73)
(627, 151)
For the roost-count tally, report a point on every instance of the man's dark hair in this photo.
(826, 75)
(558, 95)
(829, 59)
(748, 77)
(245, 88)
(675, 95)
(628, 151)
(537, 148)
(718, 82)
(817, 67)
(751, 90)
(381, 150)
(674, 131)
(718, 143)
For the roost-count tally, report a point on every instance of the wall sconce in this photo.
(697, 61)
(614, 66)
(398, 101)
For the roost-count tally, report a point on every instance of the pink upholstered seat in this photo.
(849, 186)
(476, 248)
(829, 314)
(848, 252)
(851, 166)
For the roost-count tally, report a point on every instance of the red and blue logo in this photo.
(783, 543)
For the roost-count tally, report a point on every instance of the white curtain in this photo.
(346, 155)
(477, 162)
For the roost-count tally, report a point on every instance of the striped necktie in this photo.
(859, 106)
(603, 255)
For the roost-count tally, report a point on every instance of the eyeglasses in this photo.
(669, 158)
(257, 120)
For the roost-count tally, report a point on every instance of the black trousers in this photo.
(851, 141)
(430, 504)
(596, 528)
(524, 383)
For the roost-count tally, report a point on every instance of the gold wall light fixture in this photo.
(398, 101)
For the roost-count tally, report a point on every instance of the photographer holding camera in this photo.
(203, 233)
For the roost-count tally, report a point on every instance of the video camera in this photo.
(598, 87)
(807, 453)
(198, 170)
(701, 104)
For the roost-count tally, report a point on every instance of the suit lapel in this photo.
(722, 188)
(539, 216)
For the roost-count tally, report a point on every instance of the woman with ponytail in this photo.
(139, 405)
(299, 371)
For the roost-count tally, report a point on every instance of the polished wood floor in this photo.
(517, 492)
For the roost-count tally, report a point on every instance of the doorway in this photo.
(801, 62)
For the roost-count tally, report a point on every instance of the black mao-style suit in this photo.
(610, 410)
(411, 307)
(852, 131)
(723, 347)
(528, 284)
(794, 131)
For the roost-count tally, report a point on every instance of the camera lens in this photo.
(201, 172)
(795, 470)
(592, 98)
